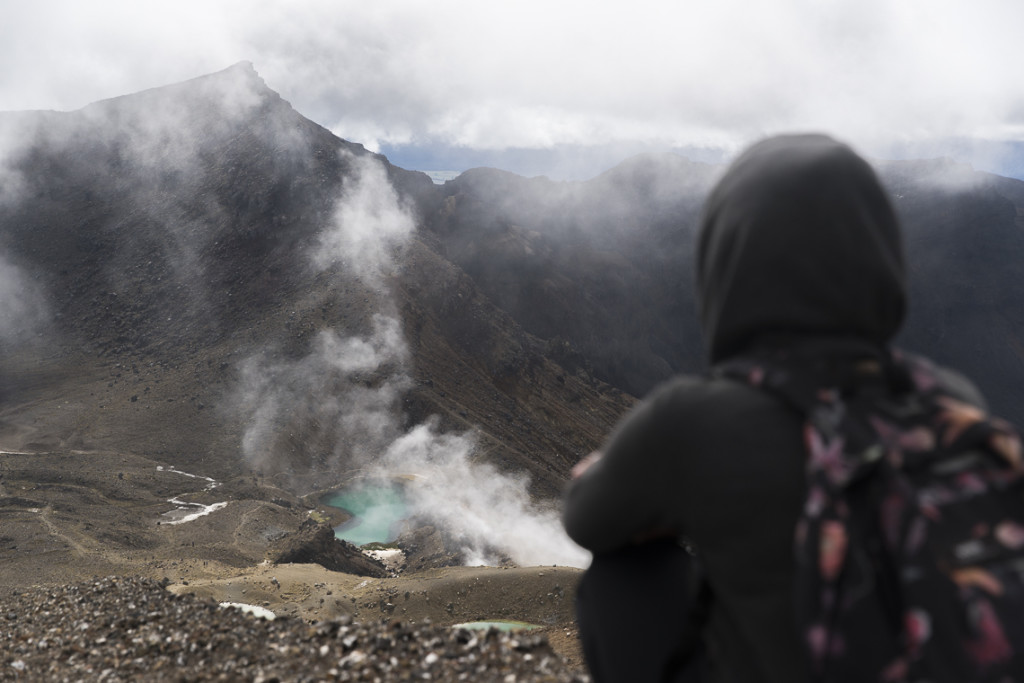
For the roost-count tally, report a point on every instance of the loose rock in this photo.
(132, 629)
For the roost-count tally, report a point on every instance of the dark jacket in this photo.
(799, 248)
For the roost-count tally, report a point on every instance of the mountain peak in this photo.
(240, 72)
(229, 92)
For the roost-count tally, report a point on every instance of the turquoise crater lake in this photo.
(377, 508)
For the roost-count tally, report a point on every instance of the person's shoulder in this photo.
(706, 393)
(959, 386)
(953, 382)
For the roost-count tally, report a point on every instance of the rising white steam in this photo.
(11, 183)
(484, 508)
(322, 397)
(21, 303)
(345, 396)
(369, 225)
(23, 307)
(16, 132)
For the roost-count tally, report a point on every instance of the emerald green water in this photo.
(377, 511)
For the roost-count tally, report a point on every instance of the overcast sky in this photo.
(451, 77)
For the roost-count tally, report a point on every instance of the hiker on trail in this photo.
(801, 288)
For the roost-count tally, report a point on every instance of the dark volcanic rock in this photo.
(424, 548)
(601, 269)
(315, 543)
(168, 235)
(126, 629)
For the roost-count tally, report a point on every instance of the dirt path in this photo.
(55, 530)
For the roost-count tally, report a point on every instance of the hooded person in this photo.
(799, 250)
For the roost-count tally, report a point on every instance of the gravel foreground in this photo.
(132, 629)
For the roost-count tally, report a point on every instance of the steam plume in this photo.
(321, 397)
(344, 397)
(369, 224)
(23, 307)
(475, 502)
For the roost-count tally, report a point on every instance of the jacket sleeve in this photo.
(625, 497)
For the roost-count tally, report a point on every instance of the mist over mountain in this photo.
(965, 246)
(606, 266)
(200, 276)
(222, 283)
(601, 269)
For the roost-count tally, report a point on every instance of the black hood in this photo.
(798, 239)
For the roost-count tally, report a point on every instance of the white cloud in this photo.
(541, 74)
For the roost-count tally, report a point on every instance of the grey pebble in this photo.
(132, 629)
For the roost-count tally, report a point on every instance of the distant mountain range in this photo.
(200, 273)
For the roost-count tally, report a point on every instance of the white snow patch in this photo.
(392, 558)
(255, 610)
(186, 511)
(182, 513)
(213, 483)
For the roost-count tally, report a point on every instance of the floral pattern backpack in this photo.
(910, 546)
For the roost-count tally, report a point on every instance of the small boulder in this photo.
(316, 543)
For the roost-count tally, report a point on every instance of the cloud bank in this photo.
(540, 75)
